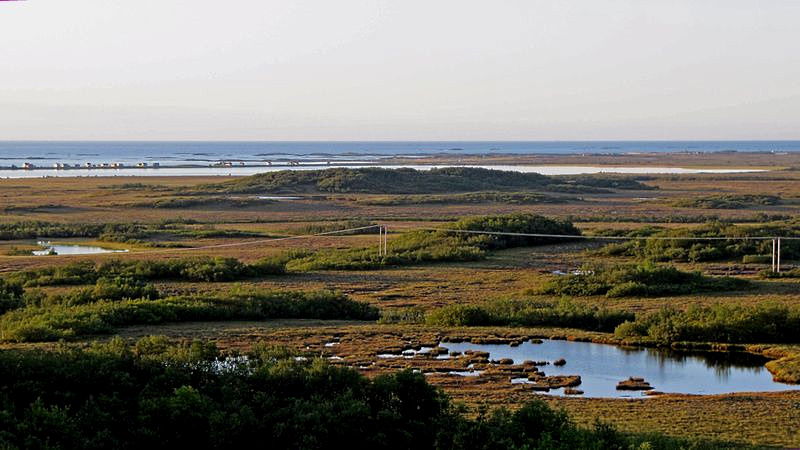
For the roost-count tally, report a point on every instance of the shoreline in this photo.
(515, 165)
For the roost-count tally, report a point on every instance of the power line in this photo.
(600, 237)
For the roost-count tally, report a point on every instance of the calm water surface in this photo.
(602, 366)
(61, 249)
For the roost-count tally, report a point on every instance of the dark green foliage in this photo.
(161, 396)
(646, 280)
(204, 202)
(711, 250)
(728, 201)
(35, 229)
(766, 323)
(327, 227)
(375, 180)
(793, 273)
(529, 314)
(518, 223)
(10, 296)
(69, 319)
(130, 233)
(189, 269)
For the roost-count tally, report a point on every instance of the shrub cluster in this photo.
(693, 250)
(529, 314)
(766, 323)
(159, 396)
(189, 269)
(645, 280)
(69, 319)
(728, 201)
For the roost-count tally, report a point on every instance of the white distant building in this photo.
(28, 165)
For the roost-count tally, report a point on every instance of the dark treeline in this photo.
(373, 180)
(644, 280)
(131, 233)
(154, 395)
(727, 201)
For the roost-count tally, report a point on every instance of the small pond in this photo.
(69, 249)
(602, 366)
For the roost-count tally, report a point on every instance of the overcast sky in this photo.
(400, 69)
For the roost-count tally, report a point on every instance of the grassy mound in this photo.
(374, 180)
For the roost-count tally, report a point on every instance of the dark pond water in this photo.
(602, 366)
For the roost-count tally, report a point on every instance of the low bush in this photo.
(190, 269)
(529, 314)
(64, 321)
(646, 280)
(766, 323)
(694, 250)
(728, 201)
(11, 295)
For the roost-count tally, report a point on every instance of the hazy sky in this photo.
(400, 69)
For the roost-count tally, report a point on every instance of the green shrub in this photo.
(11, 296)
(529, 314)
(728, 201)
(693, 250)
(64, 320)
(766, 323)
(646, 280)
(189, 269)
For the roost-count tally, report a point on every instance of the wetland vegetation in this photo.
(203, 271)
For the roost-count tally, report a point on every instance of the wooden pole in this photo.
(773, 255)
(778, 266)
(385, 240)
(380, 241)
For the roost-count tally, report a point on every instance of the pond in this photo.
(69, 249)
(602, 366)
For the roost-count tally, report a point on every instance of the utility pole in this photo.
(380, 240)
(778, 268)
(385, 240)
